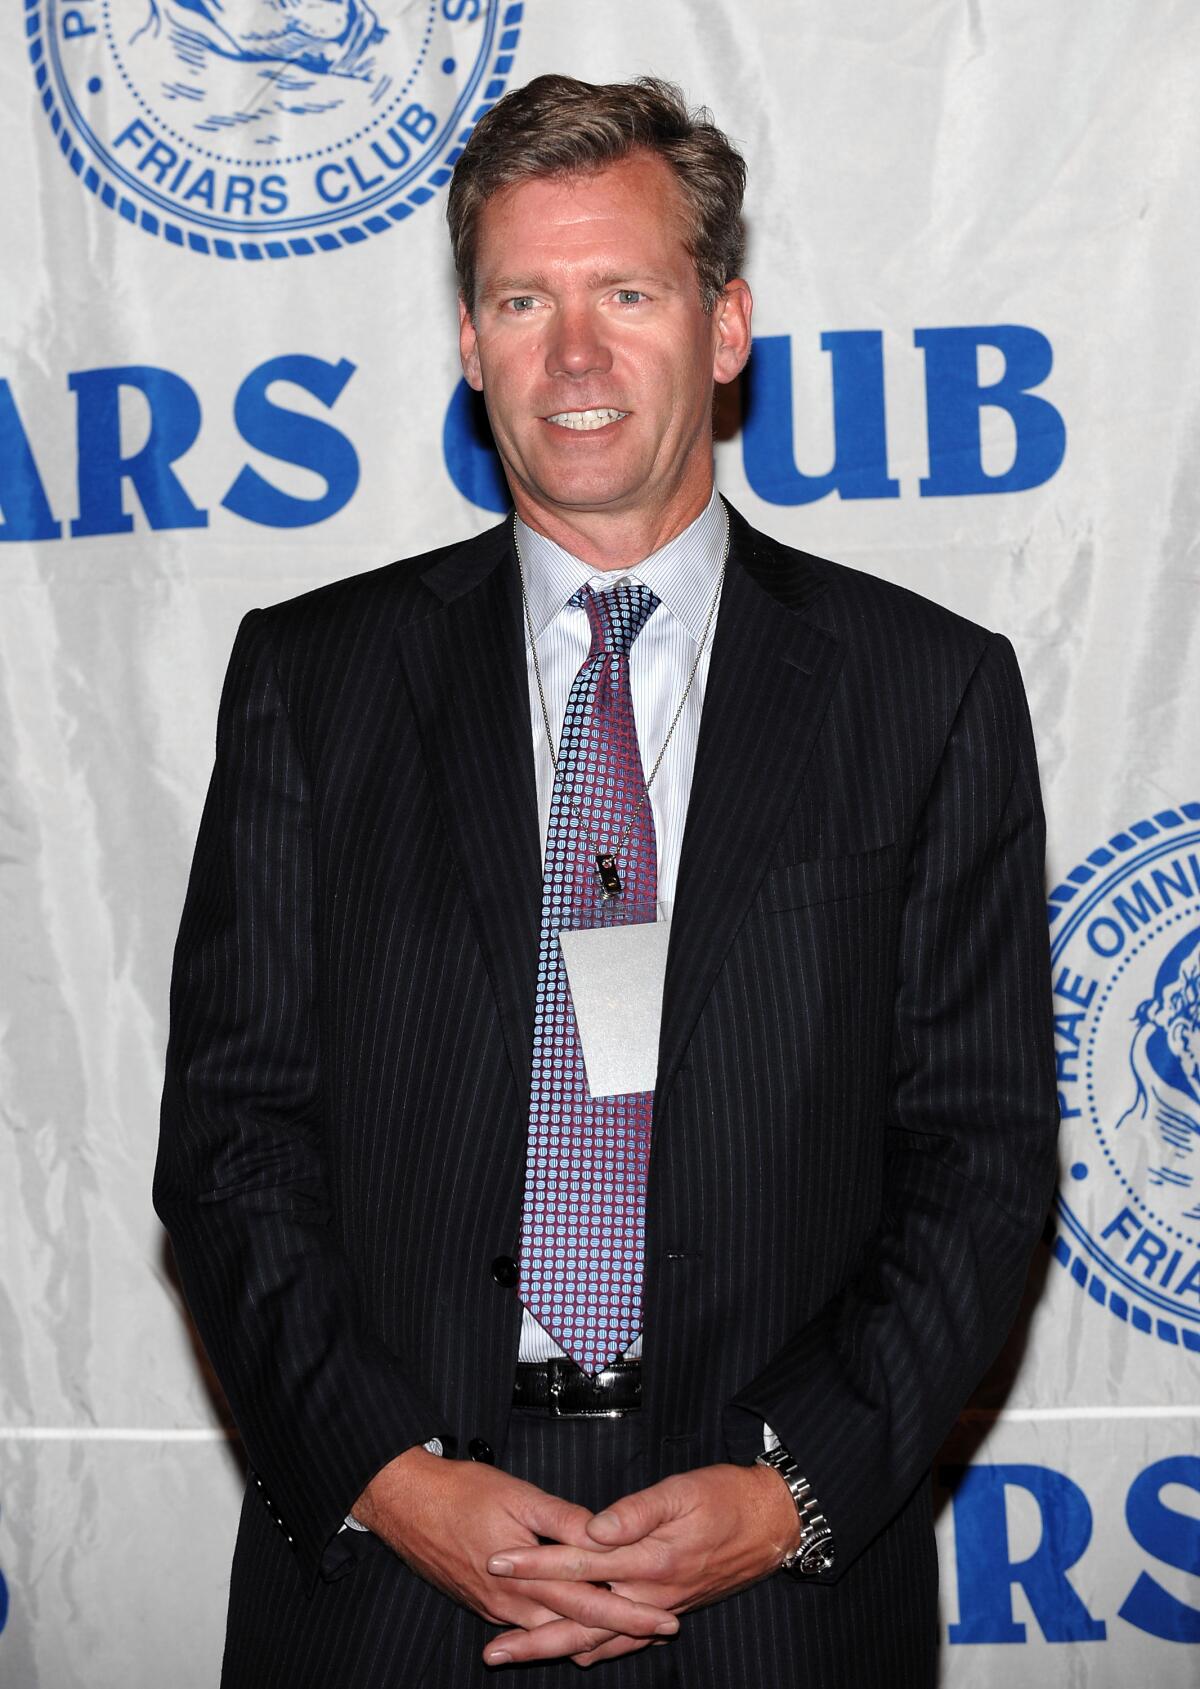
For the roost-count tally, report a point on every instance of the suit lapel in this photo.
(465, 665)
(770, 678)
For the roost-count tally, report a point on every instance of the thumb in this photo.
(558, 1520)
(633, 1517)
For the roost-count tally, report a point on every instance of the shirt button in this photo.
(504, 1271)
(479, 1450)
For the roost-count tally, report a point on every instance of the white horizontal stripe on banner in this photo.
(115, 1434)
(217, 1434)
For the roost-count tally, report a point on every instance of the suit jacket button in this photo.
(479, 1450)
(504, 1271)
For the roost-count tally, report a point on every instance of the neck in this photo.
(611, 540)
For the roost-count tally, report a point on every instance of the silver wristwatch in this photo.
(815, 1550)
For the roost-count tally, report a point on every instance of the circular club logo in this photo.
(1125, 945)
(267, 128)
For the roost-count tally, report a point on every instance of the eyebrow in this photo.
(540, 283)
(517, 284)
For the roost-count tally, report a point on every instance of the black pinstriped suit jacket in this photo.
(855, 1113)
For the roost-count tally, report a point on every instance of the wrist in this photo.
(781, 1522)
(393, 1482)
(813, 1552)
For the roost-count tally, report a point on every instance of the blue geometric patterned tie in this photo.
(583, 1222)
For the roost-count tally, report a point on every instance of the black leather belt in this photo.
(560, 1390)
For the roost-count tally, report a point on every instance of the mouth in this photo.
(585, 422)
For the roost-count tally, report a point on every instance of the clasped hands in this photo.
(603, 1584)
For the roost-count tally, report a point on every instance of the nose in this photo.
(577, 345)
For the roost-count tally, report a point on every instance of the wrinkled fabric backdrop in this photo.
(228, 371)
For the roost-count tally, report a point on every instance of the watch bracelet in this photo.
(816, 1536)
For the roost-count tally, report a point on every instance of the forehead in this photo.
(629, 209)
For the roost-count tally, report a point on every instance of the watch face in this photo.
(818, 1556)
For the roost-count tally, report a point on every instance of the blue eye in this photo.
(629, 295)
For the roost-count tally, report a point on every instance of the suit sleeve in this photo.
(865, 1394)
(241, 1182)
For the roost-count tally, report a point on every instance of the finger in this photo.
(614, 1649)
(579, 1565)
(588, 1604)
(551, 1516)
(636, 1515)
(513, 1608)
(557, 1640)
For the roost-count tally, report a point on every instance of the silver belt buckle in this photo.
(558, 1382)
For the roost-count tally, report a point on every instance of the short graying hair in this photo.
(559, 126)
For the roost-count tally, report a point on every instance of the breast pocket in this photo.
(830, 879)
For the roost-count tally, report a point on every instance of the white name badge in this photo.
(616, 977)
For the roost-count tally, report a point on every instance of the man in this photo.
(592, 1359)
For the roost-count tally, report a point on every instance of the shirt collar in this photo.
(683, 574)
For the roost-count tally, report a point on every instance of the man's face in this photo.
(592, 349)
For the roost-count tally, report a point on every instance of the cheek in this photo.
(519, 362)
(504, 379)
(663, 378)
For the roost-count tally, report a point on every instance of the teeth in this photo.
(582, 420)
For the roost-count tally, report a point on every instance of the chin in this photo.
(583, 497)
(584, 485)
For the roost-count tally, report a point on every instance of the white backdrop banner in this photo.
(228, 373)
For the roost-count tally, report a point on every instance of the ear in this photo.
(468, 347)
(731, 314)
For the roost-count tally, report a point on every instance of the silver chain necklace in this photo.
(606, 860)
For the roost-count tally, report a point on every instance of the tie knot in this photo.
(617, 615)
